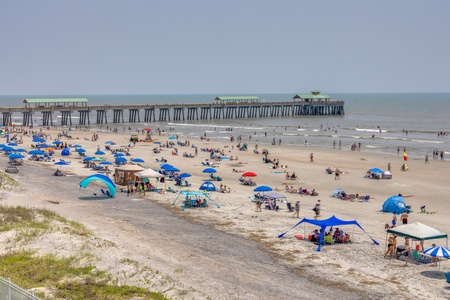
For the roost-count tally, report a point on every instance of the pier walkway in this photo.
(172, 112)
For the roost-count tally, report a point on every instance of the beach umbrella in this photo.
(37, 139)
(36, 152)
(173, 169)
(88, 158)
(184, 175)
(8, 149)
(61, 163)
(12, 144)
(80, 150)
(121, 159)
(57, 143)
(49, 149)
(376, 170)
(172, 137)
(99, 152)
(21, 150)
(97, 159)
(209, 170)
(108, 142)
(137, 160)
(43, 145)
(106, 163)
(118, 154)
(207, 186)
(164, 166)
(249, 174)
(262, 188)
(438, 251)
(76, 146)
(157, 142)
(2, 145)
(15, 156)
(147, 128)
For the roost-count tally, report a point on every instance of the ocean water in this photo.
(377, 121)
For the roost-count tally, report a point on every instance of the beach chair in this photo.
(420, 258)
(447, 276)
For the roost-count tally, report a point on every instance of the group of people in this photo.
(330, 237)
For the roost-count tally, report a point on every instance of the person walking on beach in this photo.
(407, 251)
(297, 209)
(389, 167)
(317, 210)
(311, 157)
(258, 205)
(336, 174)
(426, 159)
(398, 150)
(394, 219)
(391, 244)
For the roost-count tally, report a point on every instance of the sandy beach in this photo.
(233, 252)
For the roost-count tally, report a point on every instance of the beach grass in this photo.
(61, 277)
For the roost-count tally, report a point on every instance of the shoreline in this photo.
(360, 264)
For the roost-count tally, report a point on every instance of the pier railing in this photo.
(10, 291)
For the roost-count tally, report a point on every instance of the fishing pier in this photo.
(245, 107)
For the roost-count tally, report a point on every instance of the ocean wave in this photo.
(425, 141)
(301, 129)
(370, 130)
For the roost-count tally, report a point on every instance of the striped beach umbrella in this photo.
(437, 251)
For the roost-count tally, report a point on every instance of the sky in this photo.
(90, 47)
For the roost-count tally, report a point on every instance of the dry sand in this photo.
(233, 252)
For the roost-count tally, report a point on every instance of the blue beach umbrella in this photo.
(15, 156)
(12, 144)
(80, 150)
(137, 160)
(62, 163)
(88, 158)
(121, 159)
(118, 154)
(106, 163)
(437, 251)
(209, 170)
(36, 152)
(20, 150)
(184, 175)
(99, 152)
(262, 188)
(164, 166)
(43, 145)
(57, 143)
(173, 169)
(8, 149)
(76, 146)
(376, 170)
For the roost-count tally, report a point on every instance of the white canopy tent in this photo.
(418, 231)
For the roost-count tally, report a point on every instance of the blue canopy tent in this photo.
(395, 204)
(191, 199)
(103, 178)
(323, 224)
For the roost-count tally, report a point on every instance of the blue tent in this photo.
(65, 152)
(323, 224)
(103, 178)
(376, 170)
(394, 204)
(207, 186)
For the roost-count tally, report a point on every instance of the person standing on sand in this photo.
(426, 159)
(297, 209)
(311, 157)
(394, 219)
(258, 205)
(404, 218)
(389, 167)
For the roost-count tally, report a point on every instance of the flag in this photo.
(405, 156)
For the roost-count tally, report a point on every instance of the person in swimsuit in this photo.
(390, 248)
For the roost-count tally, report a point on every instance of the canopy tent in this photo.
(103, 178)
(418, 231)
(125, 174)
(149, 173)
(65, 152)
(192, 196)
(207, 186)
(323, 224)
(394, 204)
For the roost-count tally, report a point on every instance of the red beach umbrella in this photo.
(249, 174)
